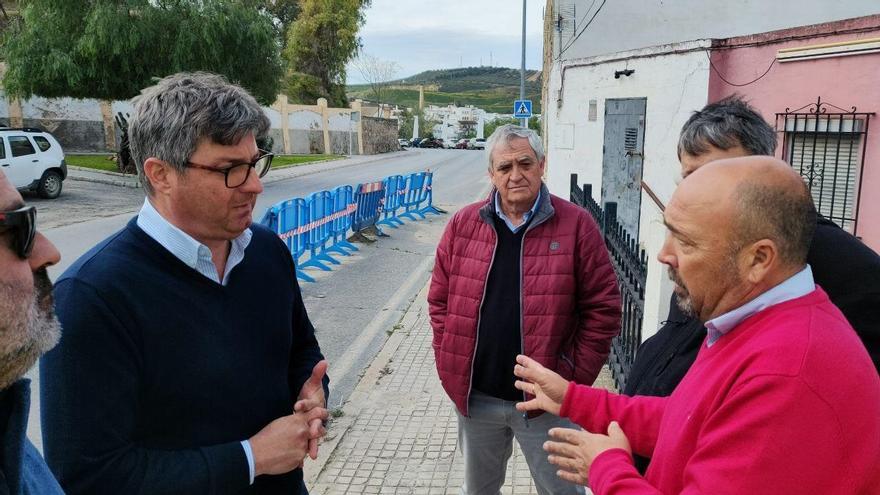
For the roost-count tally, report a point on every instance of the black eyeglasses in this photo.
(22, 223)
(238, 174)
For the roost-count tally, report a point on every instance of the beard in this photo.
(28, 327)
(683, 297)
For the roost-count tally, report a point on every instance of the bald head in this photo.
(763, 197)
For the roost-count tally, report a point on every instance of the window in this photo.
(829, 163)
(21, 146)
(826, 145)
(42, 143)
(2, 148)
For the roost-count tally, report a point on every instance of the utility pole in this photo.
(522, 70)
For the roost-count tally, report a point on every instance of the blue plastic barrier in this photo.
(341, 220)
(293, 215)
(395, 189)
(288, 219)
(428, 195)
(325, 217)
(369, 198)
(320, 206)
(270, 219)
(414, 185)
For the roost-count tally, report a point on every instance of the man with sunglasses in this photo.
(28, 328)
(189, 364)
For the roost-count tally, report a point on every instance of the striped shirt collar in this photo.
(188, 250)
(526, 217)
(798, 285)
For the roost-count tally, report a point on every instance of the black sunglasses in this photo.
(237, 174)
(22, 223)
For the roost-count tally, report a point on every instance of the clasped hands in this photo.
(573, 451)
(283, 444)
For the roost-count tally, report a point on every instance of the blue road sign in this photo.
(522, 109)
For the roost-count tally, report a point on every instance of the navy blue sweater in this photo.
(162, 372)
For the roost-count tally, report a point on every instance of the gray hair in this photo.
(725, 124)
(508, 132)
(172, 117)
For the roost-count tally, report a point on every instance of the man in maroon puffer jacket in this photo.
(521, 272)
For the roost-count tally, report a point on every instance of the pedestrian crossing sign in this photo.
(522, 109)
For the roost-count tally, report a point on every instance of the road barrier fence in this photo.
(316, 226)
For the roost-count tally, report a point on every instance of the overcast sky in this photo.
(421, 35)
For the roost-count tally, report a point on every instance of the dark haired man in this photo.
(187, 346)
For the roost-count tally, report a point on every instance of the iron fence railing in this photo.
(631, 266)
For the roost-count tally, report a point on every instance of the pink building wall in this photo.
(845, 81)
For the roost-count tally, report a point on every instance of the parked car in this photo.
(449, 143)
(415, 142)
(403, 143)
(431, 143)
(477, 144)
(32, 160)
(462, 144)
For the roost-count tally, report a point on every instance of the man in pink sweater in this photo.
(768, 406)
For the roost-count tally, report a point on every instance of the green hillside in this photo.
(491, 88)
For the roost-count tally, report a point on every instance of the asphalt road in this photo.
(353, 308)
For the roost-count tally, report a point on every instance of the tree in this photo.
(319, 45)
(284, 11)
(377, 73)
(111, 49)
(426, 126)
(490, 126)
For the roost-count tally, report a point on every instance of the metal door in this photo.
(622, 159)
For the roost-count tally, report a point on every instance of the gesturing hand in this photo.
(574, 450)
(282, 445)
(311, 396)
(547, 387)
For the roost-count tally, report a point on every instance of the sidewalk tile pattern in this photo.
(404, 440)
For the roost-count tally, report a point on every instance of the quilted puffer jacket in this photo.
(569, 298)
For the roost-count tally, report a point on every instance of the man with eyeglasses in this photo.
(189, 364)
(28, 328)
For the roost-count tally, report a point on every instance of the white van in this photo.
(32, 160)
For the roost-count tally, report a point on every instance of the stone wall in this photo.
(380, 135)
(89, 125)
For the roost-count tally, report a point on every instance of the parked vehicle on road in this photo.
(462, 144)
(477, 144)
(32, 160)
(403, 143)
(431, 143)
(414, 142)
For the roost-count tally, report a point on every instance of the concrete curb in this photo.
(98, 180)
(98, 171)
(358, 398)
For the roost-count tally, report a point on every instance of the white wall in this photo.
(339, 121)
(274, 117)
(61, 109)
(122, 106)
(674, 85)
(305, 120)
(629, 24)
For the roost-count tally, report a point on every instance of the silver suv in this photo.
(32, 160)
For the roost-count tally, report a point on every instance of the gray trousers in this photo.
(486, 440)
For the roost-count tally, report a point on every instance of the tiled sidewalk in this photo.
(398, 433)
